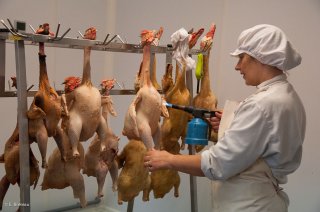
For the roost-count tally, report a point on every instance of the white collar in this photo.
(267, 83)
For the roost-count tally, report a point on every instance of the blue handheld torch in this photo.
(199, 128)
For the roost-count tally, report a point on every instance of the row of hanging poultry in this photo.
(81, 113)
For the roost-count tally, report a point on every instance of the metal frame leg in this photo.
(23, 126)
(193, 179)
(2, 65)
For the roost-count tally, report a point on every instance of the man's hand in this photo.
(215, 121)
(156, 159)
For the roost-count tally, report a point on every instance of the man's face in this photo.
(249, 69)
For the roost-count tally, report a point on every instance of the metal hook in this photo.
(62, 36)
(111, 39)
(16, 32)
(105, 40)
(120, 39)
(55, 38)
(81, 34)
(31, 86)
(118, 84)
(57, 32)
(34, 31)
(13, 30)
(12, 27)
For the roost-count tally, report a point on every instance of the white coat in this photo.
(268, 126)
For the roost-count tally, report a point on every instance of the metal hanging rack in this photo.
(76, 43)
(20, 39)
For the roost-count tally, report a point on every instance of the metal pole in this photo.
(23, 126)
(130, 205)
(193, 179)
(152, 58)
(2, 65)
(193, 185)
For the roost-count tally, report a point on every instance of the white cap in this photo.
(269, 45)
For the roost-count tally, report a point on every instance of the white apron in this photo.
(253, 190)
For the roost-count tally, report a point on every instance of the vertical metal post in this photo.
(23, 126)
(168, 57)
(130, 205)
(152, 57)
(2, 65)
(193, 179)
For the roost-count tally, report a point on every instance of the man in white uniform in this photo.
(264, 141)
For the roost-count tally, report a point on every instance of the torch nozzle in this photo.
(196, 112)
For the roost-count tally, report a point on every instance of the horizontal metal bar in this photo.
(14, 93)
(79, 43)
(76, 206)
(33, 92)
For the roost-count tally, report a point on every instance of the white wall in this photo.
(299, 19)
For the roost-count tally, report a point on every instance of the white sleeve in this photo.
(242, 144)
